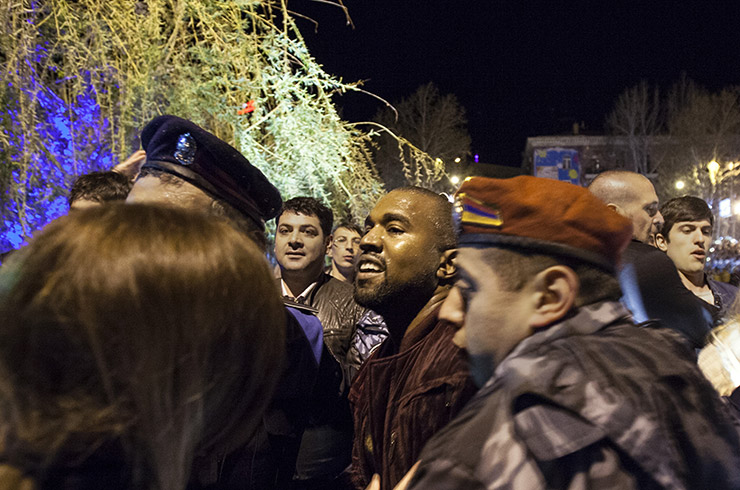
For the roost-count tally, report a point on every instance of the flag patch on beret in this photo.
(471, 211)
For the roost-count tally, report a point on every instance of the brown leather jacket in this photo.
(401, 399)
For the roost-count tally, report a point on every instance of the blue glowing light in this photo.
(75, 141)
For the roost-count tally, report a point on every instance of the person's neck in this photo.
(346, 274)
(400, 323)
(694, 281)
(298, 281)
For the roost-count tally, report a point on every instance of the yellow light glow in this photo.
(455, 180)
(713, 166)
(680, 184)
(457, 160)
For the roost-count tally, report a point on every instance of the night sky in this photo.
(522, 68)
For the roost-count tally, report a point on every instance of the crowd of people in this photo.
(533, 334)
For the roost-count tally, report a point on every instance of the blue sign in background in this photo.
(559, 164)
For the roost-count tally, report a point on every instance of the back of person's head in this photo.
(99, 187)
(309, 206)
(181, 194)
(616, 186)
(133, 337)
(686, 208)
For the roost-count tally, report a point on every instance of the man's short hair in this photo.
(686, 208)
(348, 225)
(516, 267)
(309, 206)
(440, 214)
(100, 187)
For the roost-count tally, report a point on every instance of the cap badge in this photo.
(185, 150)
(471, 211)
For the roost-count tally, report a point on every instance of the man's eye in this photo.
(395, 230)
(651, 211)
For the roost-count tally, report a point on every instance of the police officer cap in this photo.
(182, 148)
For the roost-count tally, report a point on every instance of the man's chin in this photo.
(481, 368)
(372, 296)
(365, 296)
(291, 265)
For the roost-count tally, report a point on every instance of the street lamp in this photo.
(454, 180)
(680, 184)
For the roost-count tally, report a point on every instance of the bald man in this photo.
(633, 196)
(650, 282)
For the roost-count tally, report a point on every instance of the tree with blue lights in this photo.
(82, 77)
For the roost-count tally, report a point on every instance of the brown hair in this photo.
(100, 187)
(146, 328)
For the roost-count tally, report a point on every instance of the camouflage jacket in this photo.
(591, 402)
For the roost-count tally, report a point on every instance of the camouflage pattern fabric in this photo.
(591, 402)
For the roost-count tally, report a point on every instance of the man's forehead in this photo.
(300, 218)
(411, 206)
(345, 231)
(698, 224)
(470, 260)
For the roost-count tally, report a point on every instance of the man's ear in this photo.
(615, 207)
(446, 270)
(328, 244)
(556, 290)
(660, 242)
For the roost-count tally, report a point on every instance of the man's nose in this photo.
(295, 240)
(371, 240)
(453, 311)
(658, 221)
(453, 308)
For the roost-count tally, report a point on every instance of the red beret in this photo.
(543, 215)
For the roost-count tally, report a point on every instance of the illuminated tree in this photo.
(82, 77)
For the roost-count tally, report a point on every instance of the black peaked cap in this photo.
(181, 147)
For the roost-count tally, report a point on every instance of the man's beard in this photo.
(386, 297)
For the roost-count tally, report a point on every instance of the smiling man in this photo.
(417, 380)
(574, 394)
(301, 239)
(686, 238)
